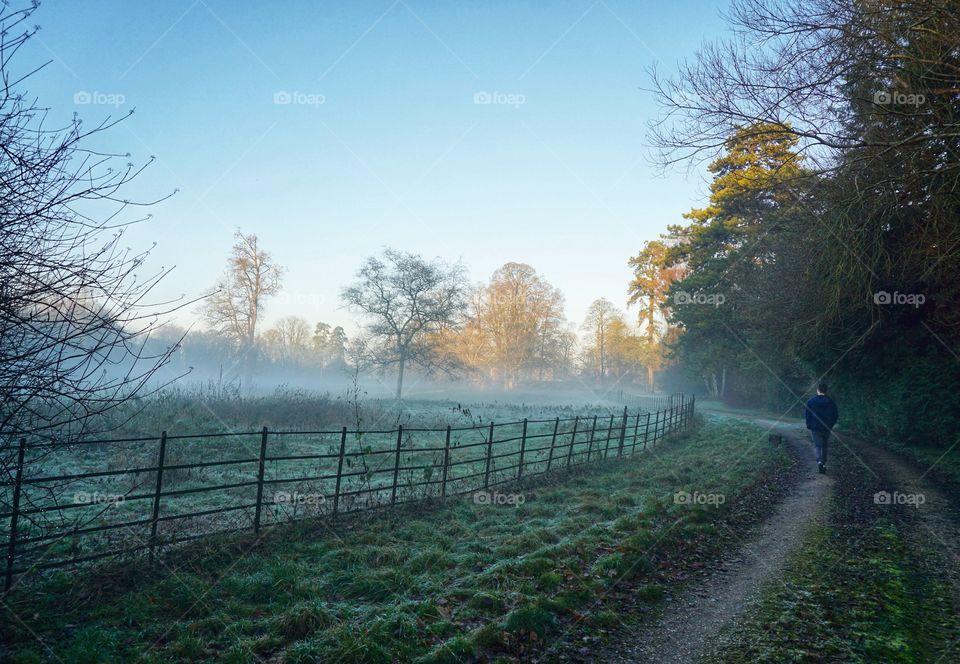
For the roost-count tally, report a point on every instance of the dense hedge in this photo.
(908, 394)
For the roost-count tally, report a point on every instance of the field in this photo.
(414, 583)
(95, 498)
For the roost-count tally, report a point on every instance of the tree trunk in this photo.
(603, 361)
(712, 386)
(248, 358)
(403, 361)
(650, 377)
(542, 353)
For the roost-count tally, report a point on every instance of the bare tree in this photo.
(519, 320)
(234, 308)
(291, 337)
(74, 309)
(817, 69)
(600, 316)
(407, 300)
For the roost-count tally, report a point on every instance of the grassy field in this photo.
(215, 408)
(856, 591)
(434, 585)
(303, 465)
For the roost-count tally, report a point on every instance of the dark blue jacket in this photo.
(821, 413)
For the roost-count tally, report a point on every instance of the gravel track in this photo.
(688, 625)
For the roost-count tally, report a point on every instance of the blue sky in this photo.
(485, 131)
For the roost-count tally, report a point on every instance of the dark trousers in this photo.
(820, 439)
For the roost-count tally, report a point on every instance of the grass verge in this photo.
(443, 584)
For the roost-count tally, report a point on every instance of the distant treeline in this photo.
(422, 316)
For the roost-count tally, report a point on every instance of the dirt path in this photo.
(687, 624)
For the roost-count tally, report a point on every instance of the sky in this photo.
(481, 131)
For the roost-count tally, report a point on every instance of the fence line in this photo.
(348, 485)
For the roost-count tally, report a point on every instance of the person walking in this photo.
(821, 415)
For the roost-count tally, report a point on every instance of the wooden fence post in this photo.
(446, 463)
(646, 430)
(623, 432)
(396, 467)
(606, 445)
(656, 428)
(573, 439)
(636, 429)
(593, 430)
(154, 520)
(486, 473)
(523, 448)
(14, 516)
(553, 443)
(260, 473)
(336, 488)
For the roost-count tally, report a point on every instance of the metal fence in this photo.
(133, 496)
